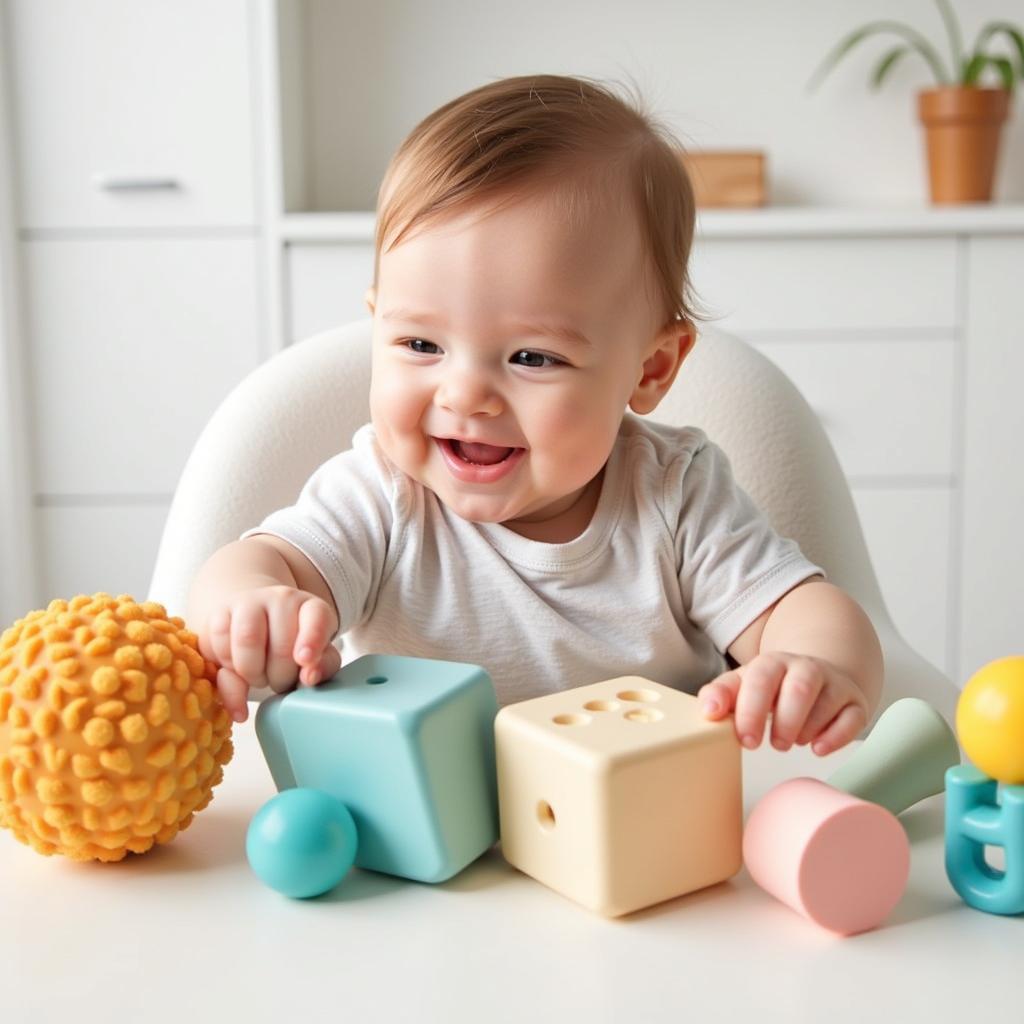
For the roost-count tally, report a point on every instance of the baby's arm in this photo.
(264, 613)
(813, 660)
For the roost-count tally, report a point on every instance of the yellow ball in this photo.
(990, 719)
(112, 733)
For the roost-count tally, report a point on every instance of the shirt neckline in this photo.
(545, 555)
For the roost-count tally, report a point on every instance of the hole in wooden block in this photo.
(602, 705)
(571, 719)
(642, 696)
(643, 715)
(545, 815)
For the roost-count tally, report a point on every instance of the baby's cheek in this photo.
(575, 445)
(396, 420)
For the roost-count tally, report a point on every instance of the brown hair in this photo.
(499, 142)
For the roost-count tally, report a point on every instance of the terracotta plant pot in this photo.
(962, 128)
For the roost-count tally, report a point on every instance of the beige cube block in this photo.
(619, 794)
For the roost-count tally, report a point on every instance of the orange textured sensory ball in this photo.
(112, 733)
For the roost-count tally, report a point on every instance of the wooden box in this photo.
(727, 177)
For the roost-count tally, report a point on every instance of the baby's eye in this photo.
(535, 360)
(424, 348)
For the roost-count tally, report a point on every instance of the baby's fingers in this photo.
(316, 621)
(215, 642)
(233, 691)
(844, 727)
(329, 664)
(718, 697)
(801, 686)
(283, 626)
(761, 679)
(825, 710)
(249, 642)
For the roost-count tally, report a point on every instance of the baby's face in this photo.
(475, 391)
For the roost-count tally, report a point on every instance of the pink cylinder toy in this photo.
(836, 859)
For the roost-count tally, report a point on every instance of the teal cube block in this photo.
(407, 744)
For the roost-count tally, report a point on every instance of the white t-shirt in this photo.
(676, 562)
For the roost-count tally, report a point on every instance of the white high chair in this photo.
(304, 404)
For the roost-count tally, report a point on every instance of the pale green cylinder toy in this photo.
(904, 758)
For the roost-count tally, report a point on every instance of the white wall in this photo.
(723, 73)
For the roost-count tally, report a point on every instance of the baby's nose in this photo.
(469, 394)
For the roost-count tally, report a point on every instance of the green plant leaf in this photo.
(1005, 69)
(1012, 33)
(917, 42)
(974, 68)
(956, 42)
(885, 65)
(979, 62)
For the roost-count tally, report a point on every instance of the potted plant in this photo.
(962, 118)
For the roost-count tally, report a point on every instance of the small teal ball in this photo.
(302, 842)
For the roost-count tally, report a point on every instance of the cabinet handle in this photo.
(127, 183)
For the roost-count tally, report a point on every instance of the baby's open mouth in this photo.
(476, 453)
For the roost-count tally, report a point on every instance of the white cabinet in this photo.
(886, 405)
(134, 344)
(991, 557)
(133, 115)
(843, 284)
(137, 170)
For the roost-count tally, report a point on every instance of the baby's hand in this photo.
(811, 701)
(269, 636)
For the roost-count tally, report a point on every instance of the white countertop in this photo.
(187, 932)
(767, 222)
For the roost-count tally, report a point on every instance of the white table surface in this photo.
(187, 933)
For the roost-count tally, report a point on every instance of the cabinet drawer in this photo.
(134, 344)
(327, 285)
(827, 283)
(887, 406)
(907, 532)
(107, 89)
(83, 549)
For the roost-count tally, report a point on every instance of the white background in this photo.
(723, 74)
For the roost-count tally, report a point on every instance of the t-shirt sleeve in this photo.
(344, 521)
(732, 563)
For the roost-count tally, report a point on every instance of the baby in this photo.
(506, 506)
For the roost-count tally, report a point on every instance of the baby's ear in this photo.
(370, 298)
(671, 346)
